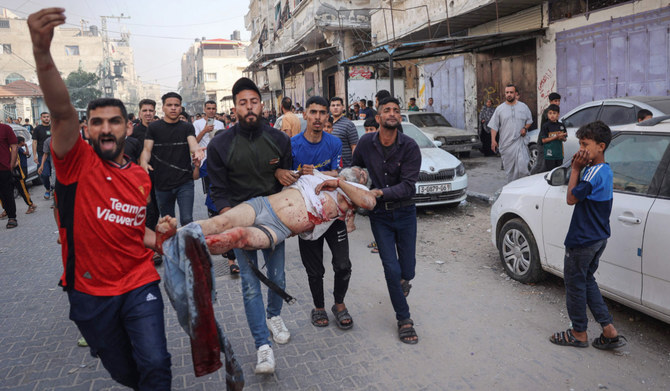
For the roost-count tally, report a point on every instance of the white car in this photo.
(616, 113)
(436, 127)
(530, 219)
(442, 179)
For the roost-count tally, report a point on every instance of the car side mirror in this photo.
(437, 143)
(558, 177)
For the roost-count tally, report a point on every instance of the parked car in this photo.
(530, 219)
(437, 128)
(19, 130)
(442, 179)
(615, 113)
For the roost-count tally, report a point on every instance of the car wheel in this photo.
(534, 151)
(518, 252)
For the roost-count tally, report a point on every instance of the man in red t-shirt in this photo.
(109, 276)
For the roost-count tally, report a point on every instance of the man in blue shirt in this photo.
(313, 150)
(586, 240)
(393, 161)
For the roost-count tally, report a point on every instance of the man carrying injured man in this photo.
(306, 208)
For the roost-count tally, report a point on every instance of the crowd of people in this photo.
(120, 180)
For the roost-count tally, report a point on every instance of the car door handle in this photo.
(630, 219)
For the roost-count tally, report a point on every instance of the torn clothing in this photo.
(190, 285)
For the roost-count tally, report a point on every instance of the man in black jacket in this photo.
(250, 160)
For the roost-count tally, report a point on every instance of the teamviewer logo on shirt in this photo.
(122, 213)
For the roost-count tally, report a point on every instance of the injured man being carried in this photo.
(306, 208)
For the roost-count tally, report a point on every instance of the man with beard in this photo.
(252, 159)
(170, 144)
(393, 161)
(512, 120)
(111, 283)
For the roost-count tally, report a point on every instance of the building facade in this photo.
(209, 68)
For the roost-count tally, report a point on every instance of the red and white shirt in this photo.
(102, 212)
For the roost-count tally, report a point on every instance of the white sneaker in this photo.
(265, 360)
(278, 329)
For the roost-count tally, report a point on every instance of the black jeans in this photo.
(7, 193)
(311, 252)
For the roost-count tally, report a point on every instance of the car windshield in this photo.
(410, 130)
(23, 132)
(662, 105)
(428, 119)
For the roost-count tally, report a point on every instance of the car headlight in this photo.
(460, 170)
(474, 139)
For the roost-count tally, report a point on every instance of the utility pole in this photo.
(107, 76)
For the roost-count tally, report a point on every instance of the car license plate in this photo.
(463, 149)
(433, 189)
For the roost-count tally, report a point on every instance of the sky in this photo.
(160, 31)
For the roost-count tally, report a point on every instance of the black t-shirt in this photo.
(41, 133)
(133, 149)
(139, 132)
(170, 156)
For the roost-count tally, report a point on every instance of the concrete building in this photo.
(296, 46)
(72, 49)
(21, 99)
(209, 68)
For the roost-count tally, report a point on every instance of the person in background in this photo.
(484, 129)
(9, 159)
(552, 136)
(28, 126)
(429, 108)
(644, 115)
(328, 125)
(412, 105)
(19, 180)
(41, 133)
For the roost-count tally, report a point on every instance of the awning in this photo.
(310, 55)
(256, 65)
(440, 47)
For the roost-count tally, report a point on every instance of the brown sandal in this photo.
(31, 209)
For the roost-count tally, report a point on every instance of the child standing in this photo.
(586, 240)
(552, 136)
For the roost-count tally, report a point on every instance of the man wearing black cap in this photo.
(258, 165)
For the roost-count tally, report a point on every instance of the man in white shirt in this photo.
(206, 127)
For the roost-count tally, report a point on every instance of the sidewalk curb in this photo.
(480, 196)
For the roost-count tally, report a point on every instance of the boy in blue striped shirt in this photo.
(586, 239)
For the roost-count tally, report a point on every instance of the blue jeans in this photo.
(184, 195)
(581, 289)
(45, 176)
(251, 290)
(395, 233)
(127, 333)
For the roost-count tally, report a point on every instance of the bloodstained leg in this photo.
(247, 238)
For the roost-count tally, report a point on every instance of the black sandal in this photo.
(318, 317)
(605, 343)
(341, 317)
(234, 269)
(407, 333)
(406, 286)
(11, 223)
(566, 338)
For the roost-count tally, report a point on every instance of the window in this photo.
(72, 50)
(4, 23)
(210, 76)
(12, 77)
(6, 48)
(582, 117)
(618, 115)
(634, 159)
